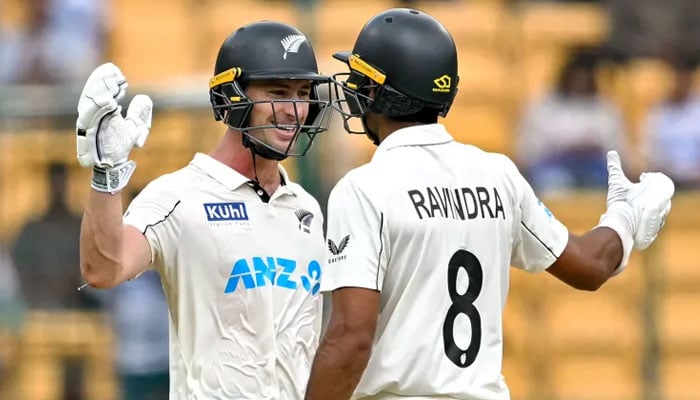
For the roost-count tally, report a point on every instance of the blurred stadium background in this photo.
(637, 338)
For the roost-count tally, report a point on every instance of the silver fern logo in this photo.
(304, 218)
(292, 43)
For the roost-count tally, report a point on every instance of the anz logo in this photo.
(257, 272)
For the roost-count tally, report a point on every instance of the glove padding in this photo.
(651, 201)
(104, 137)
(647, 205)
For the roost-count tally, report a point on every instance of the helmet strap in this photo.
(257, 148)
(370, 134)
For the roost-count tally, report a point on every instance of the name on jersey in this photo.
(226, 211)
(457, 203)
(262, 271)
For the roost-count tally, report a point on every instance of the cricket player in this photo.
(238, 245)
(421, 239)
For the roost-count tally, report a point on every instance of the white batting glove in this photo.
(651, 201)
(636, 211)
(620, 215)
(618, 184)
(104, 137)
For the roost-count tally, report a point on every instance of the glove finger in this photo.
(615, 167)
(105, 84)
(101, 94)
(140, 113)
(86, 150)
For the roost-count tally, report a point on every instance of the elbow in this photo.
(96, 278)
(355, 344)
(591, 285)
(363, 345)
(594, 281)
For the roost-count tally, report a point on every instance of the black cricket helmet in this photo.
(268, 50)
(408, 57)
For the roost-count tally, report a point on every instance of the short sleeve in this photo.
(539, 237)
(355, 253)
(150, 213)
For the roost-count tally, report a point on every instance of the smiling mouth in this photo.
(286, 133)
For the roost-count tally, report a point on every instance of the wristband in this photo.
(620, 218)
(112, 180)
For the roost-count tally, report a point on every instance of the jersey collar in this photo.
(419, 135)
(228, 176)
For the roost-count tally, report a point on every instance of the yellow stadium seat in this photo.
(484, 74)
(471, 23)
(545, 23)
(484, 125)
(642, 84)
(150, 52)
(679, 375)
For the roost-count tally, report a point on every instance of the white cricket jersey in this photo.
(242, 279)
(434, 225)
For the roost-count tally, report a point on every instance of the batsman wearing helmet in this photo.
(239, 246)
(421, 239)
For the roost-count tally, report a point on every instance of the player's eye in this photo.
(279, 93)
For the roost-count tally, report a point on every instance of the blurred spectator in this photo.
(671, 141)
(60, 42)
(46, 254)
(11, 311)
(647, 28)
(140, 315)
(11, 304)
(564, 137)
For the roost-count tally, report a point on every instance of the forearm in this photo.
(337, 369)
(589, 260)
(101, 240)
(605, 251)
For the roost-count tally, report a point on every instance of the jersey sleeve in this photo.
(539, 236)
(355, 251)
(150, 212)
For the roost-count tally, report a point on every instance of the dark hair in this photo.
(425, 116)
(682, 62)
(580, 59)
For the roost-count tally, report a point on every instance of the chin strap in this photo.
(255, 168)
(255, 184)
(263, 151)
(370, 134)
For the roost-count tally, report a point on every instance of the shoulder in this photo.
(491, 161)
(168, 188)
(364, 176)
(365, 184)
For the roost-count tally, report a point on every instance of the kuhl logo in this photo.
(305, 218)
(292, 43)
(235, 211)
(337, 249)
(273, 271)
